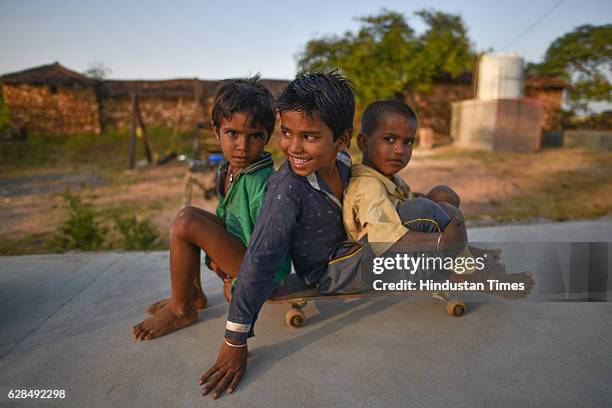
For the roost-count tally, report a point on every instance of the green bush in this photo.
(81, 230)
(5, 119)
(137, 235)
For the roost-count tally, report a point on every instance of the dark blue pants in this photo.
(345, 271)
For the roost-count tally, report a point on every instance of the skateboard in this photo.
(297, 293)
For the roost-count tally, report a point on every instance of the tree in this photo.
(98, 70)
(444, 48)
(582, 57)
(384, 56)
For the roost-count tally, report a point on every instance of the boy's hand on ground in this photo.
(227, 372)
(454, 237)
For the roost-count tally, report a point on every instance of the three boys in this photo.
(302, 213)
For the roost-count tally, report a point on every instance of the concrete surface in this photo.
(66, 323)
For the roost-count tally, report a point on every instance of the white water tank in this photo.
(500, 76)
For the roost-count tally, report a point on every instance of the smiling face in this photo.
(389, 148)
(241, 142)
(309, 143)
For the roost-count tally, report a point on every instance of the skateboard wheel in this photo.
(456, 308)
(295, 318)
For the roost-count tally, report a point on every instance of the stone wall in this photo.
(550, 101)
(73, 109)
(433, 109)
(52, 110)
(156, 111)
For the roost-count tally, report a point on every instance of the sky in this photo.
(214, 40)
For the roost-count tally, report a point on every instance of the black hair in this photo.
(327, 95)
(375, 111)
(246, 96)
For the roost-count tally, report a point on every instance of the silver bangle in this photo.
(438, 243)
(234, 345)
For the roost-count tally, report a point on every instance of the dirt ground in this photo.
(558, 184)
(552, 184)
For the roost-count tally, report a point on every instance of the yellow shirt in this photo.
(370, 207)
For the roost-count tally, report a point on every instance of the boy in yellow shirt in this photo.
(380, 205)
(375, 191)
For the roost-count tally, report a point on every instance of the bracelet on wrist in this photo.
(438, 243)
(234, 345)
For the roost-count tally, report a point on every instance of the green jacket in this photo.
(240, 206)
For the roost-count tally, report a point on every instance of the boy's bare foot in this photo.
(165, 321)
(199, 302)
(497, 271)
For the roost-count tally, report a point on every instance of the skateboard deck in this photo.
(297, 293)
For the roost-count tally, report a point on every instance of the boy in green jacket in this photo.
(243, 118)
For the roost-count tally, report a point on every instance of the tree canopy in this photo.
(385, 56)
(582, 57)
(98, 70)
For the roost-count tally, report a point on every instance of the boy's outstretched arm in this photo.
(267, 248)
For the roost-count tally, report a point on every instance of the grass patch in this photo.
(456, 153)
(5, 118)
(108, 151)
(155, 205)
(36, 243)
(559, 203)
(118, 209)
(565, 195)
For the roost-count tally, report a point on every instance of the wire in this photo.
(533, 25)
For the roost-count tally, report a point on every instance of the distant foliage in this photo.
(582, 57)
(5, 119)
(98, 70)
(384, 57)
(81, 230)
(137, 235)
(599, 121)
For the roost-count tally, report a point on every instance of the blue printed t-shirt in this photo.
(300, 216)
(239, 207)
